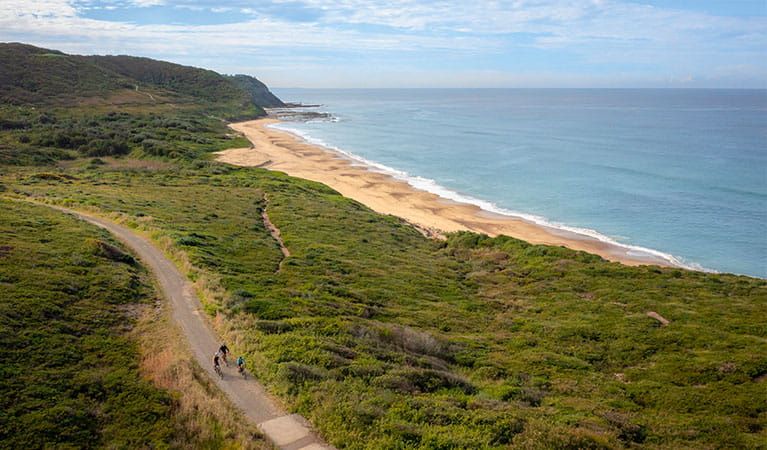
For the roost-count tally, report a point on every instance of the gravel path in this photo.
(286, 431)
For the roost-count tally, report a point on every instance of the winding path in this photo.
(285, 431)
(275, 232)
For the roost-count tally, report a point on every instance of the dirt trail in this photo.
(275, 232)
(146, 93)
(286, 431)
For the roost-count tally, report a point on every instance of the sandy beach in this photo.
(278, 150)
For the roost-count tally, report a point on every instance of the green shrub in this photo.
(112, 252)
(301, 373)
(423, 380)
(273, 326)
(267, 309)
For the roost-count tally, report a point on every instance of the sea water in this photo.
(681, 173)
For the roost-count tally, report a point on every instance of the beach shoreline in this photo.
(283, 151)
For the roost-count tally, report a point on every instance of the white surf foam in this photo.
(429, 185)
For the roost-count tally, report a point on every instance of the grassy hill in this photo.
(73, 313)
(55, 106)
(89, 357)
(35, 76)
(69, 375)
(386, 339)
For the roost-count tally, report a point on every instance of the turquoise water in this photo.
(679, 172)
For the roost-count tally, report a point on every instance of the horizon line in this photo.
(699, 88)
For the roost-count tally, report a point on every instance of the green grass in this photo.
(40, 137)
(385, 339)
(73, 367)
(68, 374)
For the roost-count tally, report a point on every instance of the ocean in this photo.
(681, 173)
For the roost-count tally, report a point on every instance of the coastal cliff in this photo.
(259, 92)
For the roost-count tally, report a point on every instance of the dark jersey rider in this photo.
(223, 352)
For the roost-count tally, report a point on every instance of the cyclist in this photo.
(240, 364)
(217, 364)
(224, 352)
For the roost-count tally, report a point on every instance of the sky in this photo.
(410, 43)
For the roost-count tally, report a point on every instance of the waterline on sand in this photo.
(432, 186)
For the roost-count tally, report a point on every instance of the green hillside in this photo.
(37, 76)
(34, 76)
(69, 375)
(386, 339)
(35, 136)
(56, 106)
(260, 94)
(72, 304)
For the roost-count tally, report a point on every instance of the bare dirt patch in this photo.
(663, 321)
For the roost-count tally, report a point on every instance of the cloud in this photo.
(56, 20)
(37, 8)
(147, 3)
(592, 34)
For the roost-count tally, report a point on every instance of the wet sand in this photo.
(278, 150)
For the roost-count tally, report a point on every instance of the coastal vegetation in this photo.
(382, 337)
(37, 76)
(33, 137)
(79, 323)
(55, 106)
